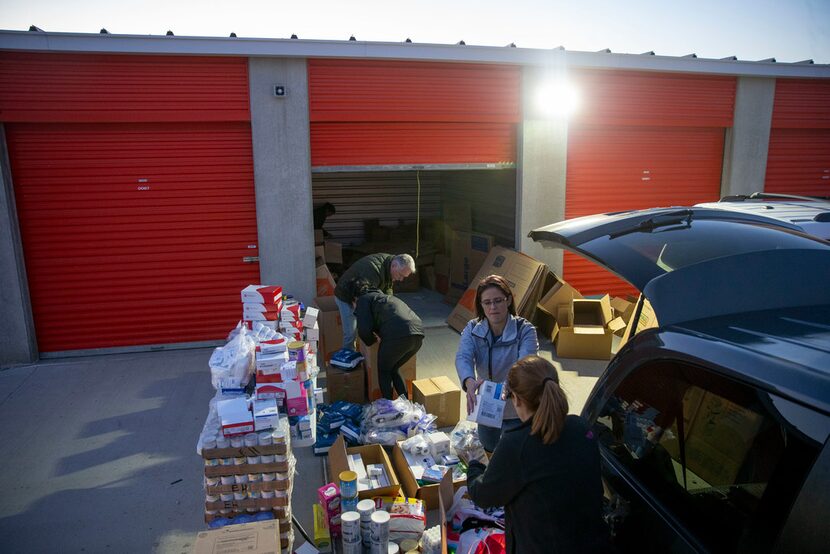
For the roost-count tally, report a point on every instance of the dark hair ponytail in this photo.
(535, 381)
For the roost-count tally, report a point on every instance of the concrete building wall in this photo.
(747, 142)
(282, 175)
(18, 342)
(541, 171)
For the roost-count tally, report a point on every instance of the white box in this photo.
(235, 417)
(265, 391)
(266, 414)
(262, 294)
(310, 317)
(273, 346)
(312, 333)
(439, 443)
(489, 408)
(260, 312)
(270, 363)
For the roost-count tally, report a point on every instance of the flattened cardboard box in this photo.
(408, 371)
(371, 454)
(521, 272)
(261, 537)
(441, 397)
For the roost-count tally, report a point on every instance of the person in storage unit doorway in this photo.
(379, 271)
(545, 472)
(490, 344)
(400, 330)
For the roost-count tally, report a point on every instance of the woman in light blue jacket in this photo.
(489, 345)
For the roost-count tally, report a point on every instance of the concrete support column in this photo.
(282, 175)
(540, 187)
(18, 342)
(747, 142)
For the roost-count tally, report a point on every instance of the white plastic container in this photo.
(379, 532)
(350, 527)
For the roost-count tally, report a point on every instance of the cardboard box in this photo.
(319, 237)
(428, 493)
(346, 385)
(371, 454)
(646, 320)
(458, 215)
(559, 295)
(442, 273)
(370, 354)
(319, 255)
(261, 537)
(467, 253)
(333, 252)
(587, 335)
(623, 308)
(446, 493)
(331, 327)
(521, 272)
(441, 397)
(325, 282)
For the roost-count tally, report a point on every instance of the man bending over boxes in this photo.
(379, 271)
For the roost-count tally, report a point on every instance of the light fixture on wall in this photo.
(279, 91)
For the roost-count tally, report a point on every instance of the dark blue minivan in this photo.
(713, 426)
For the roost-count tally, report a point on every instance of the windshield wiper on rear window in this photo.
(661, 220)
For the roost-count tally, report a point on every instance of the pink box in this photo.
(329, 498)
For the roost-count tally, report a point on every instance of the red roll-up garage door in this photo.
(640, 141)
(376, 113)
(134, 234)
(133, 178)
(798, 161)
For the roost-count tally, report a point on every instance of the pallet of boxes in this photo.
(265, 383)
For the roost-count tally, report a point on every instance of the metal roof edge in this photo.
(304, 48)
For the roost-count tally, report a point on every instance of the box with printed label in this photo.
(260, 537)
(489, 408)
(235, 417)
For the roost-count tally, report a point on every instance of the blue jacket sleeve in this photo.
(465, 356)
(528, 341)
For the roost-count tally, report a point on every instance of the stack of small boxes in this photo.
(253, 474)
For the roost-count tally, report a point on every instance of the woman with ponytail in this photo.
(546, 472)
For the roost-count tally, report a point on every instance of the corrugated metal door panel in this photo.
(492, 199)
(802, 103)
(665, 99)
(85, 88)
(626, 168)
(359, 144)
(798, 162)
(134, 234)
(390, 197)
(397, 91)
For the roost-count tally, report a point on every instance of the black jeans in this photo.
(392, 354)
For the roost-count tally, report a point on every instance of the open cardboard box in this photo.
(644, 315)
(558, 296)
(427, 493)
(586, 333)
(371, 454)
(446, 492)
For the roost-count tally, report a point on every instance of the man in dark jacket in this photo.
(399, 329)
(377, 271)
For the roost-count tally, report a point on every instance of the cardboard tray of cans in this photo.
(277, 485)
(242, 469)
(245, 451)
(281, 513)
(243, 505)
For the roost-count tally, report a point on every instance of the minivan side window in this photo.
(714, 452)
